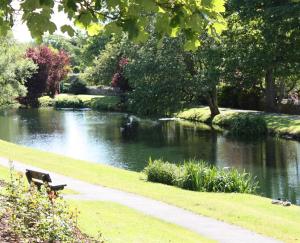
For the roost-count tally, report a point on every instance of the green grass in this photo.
(254, 212)
(96, 102)
(119, 224)
(279, 124)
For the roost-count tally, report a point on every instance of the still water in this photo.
(105, 138)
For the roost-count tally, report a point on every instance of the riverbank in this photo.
(95, 102)
(287, 126)
(254, 211)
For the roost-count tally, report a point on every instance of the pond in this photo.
(105, 138)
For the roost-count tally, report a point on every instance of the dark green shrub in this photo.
(107, 103)
(247, 125)
(65, 87)
(162, 172)
(78, 87)
(198, 176)
(68, 102)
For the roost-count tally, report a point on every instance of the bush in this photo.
(162, 172)
(36, 218)
(198, 176)
(107, 103)
(78, 87)
(248, 125)
(46, 101)
(65, 87)
(233, 97)
(68, 102)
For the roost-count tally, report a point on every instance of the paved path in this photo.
(205, 226)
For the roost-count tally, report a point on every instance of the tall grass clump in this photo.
(199, 176)
(248, 125)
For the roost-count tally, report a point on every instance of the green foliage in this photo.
(159, 77)
(105, 65)
(68, 102)
(198, 176)
(72, 46)
(34, 216)
(133, 17)
(106, 103)
(14, 70)
(244, 124)
(267, 32)
(77, 86)
(241, 98)
(102, 103)
(46, 101)
(65, 87)
(160, 171)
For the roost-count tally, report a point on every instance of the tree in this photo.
(106, 64)
(53, 67)
(14, 70)
(262, 45)
(158, 76)
(72, 46)
(191, 17)
(206, 71)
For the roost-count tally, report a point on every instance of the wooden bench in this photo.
(40, 178)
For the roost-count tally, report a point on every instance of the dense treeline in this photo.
(252, 64)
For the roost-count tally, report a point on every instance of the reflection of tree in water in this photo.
(22, 123)
(172, 141)
(41, 121)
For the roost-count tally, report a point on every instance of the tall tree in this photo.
(263, 44)
(53, 67)
(14, 70)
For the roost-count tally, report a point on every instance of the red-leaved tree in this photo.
(118, 79)
(53, 67)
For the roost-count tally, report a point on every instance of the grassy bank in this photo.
(254, 212)
(120, 224)
(277, 124)
(96, 102)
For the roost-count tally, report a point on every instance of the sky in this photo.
(22, 34)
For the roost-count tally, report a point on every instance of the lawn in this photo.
(279, 124)
(120, 224)
(254, 212)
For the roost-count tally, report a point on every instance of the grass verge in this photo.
(120, 224)
(254, 212)
(278, 124)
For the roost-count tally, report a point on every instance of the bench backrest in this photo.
(37, 177)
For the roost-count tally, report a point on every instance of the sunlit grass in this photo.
(119, 224)
(253, 212)
(279, 124)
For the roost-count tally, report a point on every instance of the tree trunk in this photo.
(213, 103)
(270, 104)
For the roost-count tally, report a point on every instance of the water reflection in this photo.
(123, 141)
